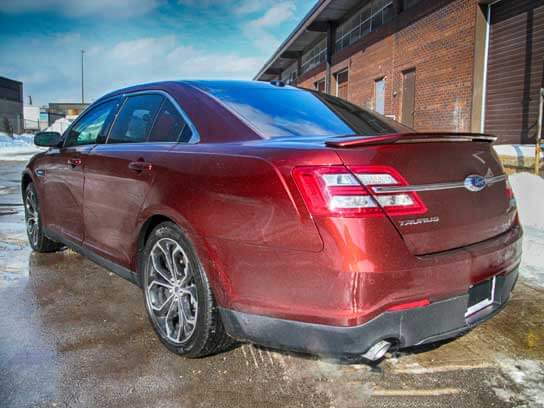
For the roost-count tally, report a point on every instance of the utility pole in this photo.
(82, 83)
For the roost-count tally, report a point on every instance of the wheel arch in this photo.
(219, 282)
(26, 179)
(148, 226)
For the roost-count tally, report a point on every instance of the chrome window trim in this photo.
(435, 187)
(195, 136)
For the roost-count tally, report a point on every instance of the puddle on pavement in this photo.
(14, 249)
(78, 335)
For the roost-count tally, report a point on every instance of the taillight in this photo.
(508, 189)
(339, 191)
(510, 194)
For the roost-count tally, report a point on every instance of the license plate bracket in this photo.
(481, 296)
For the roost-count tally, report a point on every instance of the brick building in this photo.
(435, 65)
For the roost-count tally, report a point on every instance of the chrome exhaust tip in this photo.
(377, 351)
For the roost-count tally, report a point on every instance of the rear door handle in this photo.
(74, 162)
(140, 166)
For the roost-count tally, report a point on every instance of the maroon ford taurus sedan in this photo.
(285, 217)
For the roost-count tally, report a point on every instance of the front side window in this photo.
(135, 119)
(91, 125)
(169, 125)
(278, 112)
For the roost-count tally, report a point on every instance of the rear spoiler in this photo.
(355, 141)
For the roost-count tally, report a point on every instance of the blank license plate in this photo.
(480, 296)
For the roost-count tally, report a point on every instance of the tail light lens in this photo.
(339, 191)
(510, 194)
(508, 190)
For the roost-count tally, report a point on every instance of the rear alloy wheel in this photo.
(32, 217)
(178, 297)
(171, 291)
(38, 241)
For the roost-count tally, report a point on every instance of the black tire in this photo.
(208, 334)
(33, 221)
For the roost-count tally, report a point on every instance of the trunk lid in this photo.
(436, 166)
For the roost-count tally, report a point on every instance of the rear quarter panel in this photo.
(236, 205)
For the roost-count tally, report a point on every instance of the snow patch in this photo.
(532, 261)
(17, 148)
(529, 191)
(528, 375)
(515, 150)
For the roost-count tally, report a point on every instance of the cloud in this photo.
(82, 8)
(274, 16)
(205, 3)
(236, 7)
(250, 6)
(110, 66)
(165, 57)
(259, 29)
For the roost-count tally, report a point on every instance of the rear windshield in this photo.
(278, 112)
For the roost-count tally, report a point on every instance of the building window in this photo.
(320, 85)
(342, 84)
(379, 96)
(289, 76)
(368, 19)
(406, 4)
(292, 80)
(315, 56)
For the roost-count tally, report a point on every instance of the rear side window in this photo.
(169, 125)
(91, 125)
(135, 119)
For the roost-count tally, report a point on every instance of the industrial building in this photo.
(11, 106)
(435, 65)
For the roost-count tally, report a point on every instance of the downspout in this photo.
(328, 58)
(486, 62)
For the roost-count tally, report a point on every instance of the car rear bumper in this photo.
(438, 321)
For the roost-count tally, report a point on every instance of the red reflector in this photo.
(409, 305)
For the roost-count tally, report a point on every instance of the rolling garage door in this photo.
(515, 69)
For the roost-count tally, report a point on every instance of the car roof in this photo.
(234, 84)
(196, 98)
(202, 84)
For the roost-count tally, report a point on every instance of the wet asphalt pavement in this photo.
(74, 334)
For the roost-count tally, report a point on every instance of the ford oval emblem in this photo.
(475, 183)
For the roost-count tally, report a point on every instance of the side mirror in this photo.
(47, 139)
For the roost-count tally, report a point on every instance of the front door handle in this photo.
(74, 162)
(139, 166)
